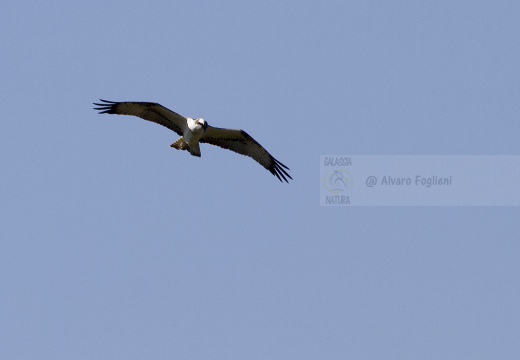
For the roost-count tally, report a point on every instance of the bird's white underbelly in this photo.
(193, 132)
(193, 137)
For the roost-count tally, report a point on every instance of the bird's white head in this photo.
(197, 125)
(202, 123)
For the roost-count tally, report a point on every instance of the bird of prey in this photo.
(195, 131)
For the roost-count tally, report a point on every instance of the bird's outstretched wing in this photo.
(145, 110)
(240, 142)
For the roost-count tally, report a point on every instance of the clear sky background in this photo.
(115, 246)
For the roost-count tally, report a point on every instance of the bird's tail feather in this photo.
(181, 144)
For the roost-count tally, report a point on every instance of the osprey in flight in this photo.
(194, 131)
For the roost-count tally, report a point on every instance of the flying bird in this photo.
(195, 131)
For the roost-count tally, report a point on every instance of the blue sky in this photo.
(114, 245)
